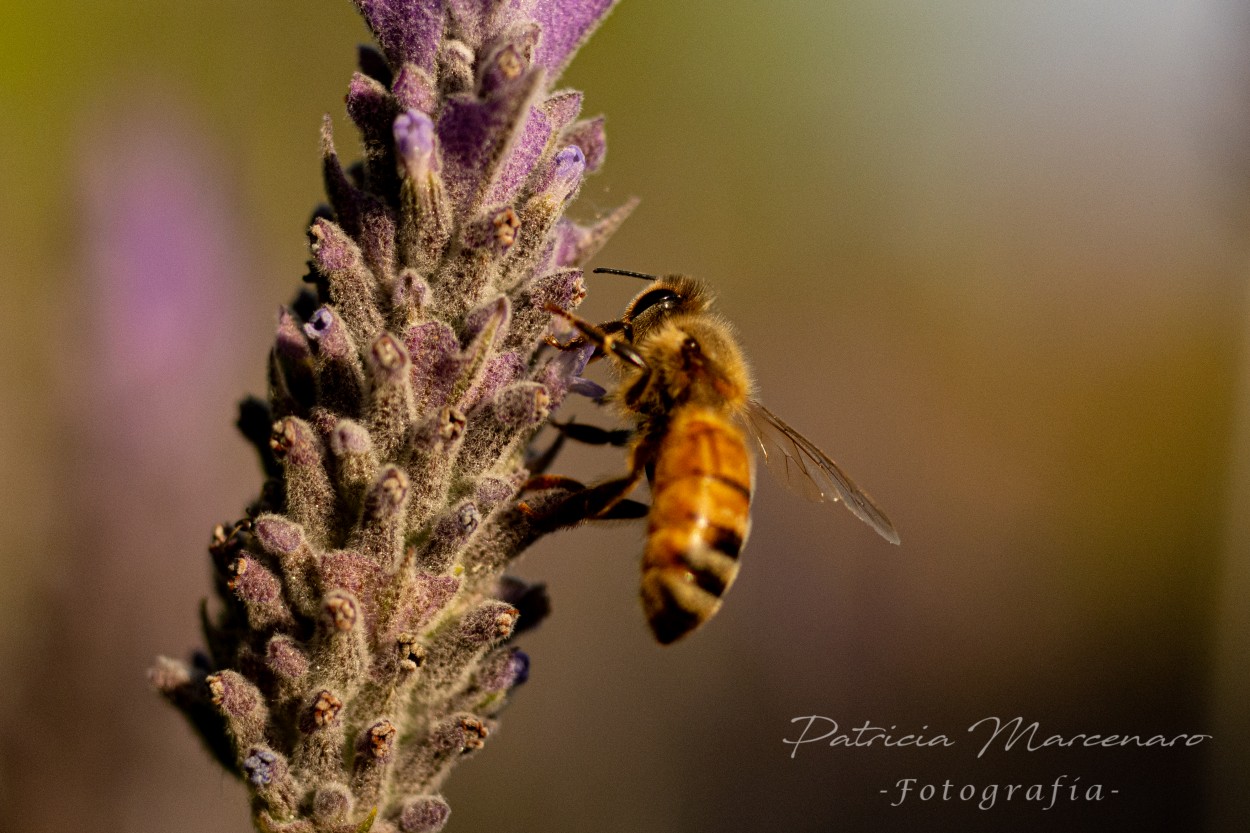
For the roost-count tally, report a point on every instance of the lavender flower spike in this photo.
(362, 643)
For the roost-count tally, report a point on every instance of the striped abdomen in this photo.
(699, 519)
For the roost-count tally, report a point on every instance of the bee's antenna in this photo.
(626, 273)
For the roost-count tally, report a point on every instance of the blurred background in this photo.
(992, 257)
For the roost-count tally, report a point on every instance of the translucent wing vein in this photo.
(807, 471)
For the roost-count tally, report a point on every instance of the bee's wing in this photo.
(808, 471)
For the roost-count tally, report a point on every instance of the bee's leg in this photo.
(588, 434)
(539, 462)
(610, 328)
(615, 343)
(593, 435)
(540, 482)
(572, 344)
(626, 509)
(580, 340)
(603, 499)
(605, 502)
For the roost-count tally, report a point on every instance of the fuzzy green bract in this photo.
(361, 644)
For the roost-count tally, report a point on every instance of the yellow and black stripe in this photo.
(699, 520)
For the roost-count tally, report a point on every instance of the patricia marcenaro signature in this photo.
(988, 732)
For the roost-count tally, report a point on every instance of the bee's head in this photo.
(670, 295)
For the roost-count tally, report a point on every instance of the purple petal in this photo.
(371, 107)
(577, 244)
(587, 388)
(289, 342)
(449, 535)
(501, 371)
(560, 375)
(433, 347)
(428, 595)
(499, 672)
(494, 314)
(474, 136)
(521, 160)
(493, 490)
(357, 574)
(407, 30)
(424, 815)
(469, 19)
(562, 108)
(414, 89)
(566, 24)
(362, 215)
(578, 359)
(319, 324)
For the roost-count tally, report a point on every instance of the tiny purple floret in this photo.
(567, 171)
(469, 518)
(520, 667)
(322, 320)
(414, 140)
(260, 767)
(587, 388)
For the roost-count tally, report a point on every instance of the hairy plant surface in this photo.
(361, 644)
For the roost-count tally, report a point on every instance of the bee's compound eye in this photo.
(664, 299)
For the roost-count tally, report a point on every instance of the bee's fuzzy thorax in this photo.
(694, 358)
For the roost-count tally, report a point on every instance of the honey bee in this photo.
(685, 384)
